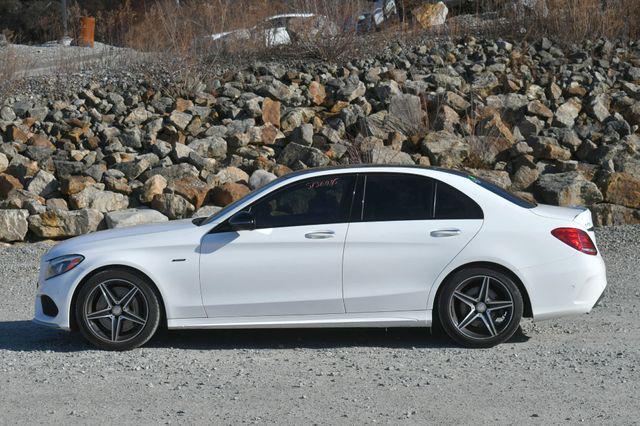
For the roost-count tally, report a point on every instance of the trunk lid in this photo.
(579, 215)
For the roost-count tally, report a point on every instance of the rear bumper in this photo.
(569, 287)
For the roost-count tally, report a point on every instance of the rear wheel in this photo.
(117, 310)
(480, 307)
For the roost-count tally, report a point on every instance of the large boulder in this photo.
(567, 113)
(568, 189)
(547, 148)
(211, 147)
(64, 224)
(444, 149)
(623, 189)
(293, 154)
(271, 112)
(8, 183)
(228, 193)
(43, 184)
(386, 155)
(153, 186)
(13, 225)
(191, 188)
(429, 15)
(74, 184)
(173, 206)
(612, 214)
(94, 198)
(260, 178)
(133, 217)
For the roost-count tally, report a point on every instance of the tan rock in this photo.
(73, 184)
(64, 224)
(192, 189)
(317, 93)
(155, 185)
(623, 189)
(271, 112)
(7, 184)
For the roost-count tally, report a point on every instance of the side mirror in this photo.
(242, 221)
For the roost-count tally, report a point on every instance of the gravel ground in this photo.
(582, 369)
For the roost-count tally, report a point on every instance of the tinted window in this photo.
(389, 197)
(310, 202)
(453, 204)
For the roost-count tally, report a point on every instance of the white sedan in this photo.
(367, 246)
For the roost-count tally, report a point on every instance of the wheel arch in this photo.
(73, 324)
(527, 312)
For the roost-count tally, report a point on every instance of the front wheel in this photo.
(117, 310)
(480, 307)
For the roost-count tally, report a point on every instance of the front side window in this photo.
(316, 201)
(393, 197)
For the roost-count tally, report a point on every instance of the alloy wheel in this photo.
(481, 307)
(116, 311)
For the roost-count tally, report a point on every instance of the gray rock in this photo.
(180, 119)
(172, 205)
(13, 225)
(260, 178)
(211, 147)
(206, 211)
(302, 134)
(43, 184)
(444, 149)
(294, 153)
(567, 113)
(103, 201)
(386, 155)
(567, 189)
(133, 217)
(353, 88)
(7, 113)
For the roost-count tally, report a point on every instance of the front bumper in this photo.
(60, 292)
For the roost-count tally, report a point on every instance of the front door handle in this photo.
(445, 233)
(319, 235)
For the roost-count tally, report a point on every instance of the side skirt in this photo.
(376, 319)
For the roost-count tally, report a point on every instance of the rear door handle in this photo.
(445, 233)
(319, 235)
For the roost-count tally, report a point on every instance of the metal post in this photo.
(63, 4)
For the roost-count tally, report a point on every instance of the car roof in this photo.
(354, 168)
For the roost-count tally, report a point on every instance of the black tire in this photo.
(476, 320)
(108, 325)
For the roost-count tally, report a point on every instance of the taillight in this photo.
(576, 238)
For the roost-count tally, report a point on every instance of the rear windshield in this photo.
(502, 193)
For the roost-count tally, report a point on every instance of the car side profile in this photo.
(365, 246)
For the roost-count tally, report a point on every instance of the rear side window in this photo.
(453, 204)
(316, 201)
(393, 197)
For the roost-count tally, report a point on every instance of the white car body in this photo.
(272, 30)
(373, 274)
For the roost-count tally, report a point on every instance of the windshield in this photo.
(235, 204)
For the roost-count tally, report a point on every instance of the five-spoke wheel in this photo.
(117, 310)
(480, 307)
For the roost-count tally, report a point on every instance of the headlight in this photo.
(62, 264)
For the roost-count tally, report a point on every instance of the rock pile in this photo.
(556, 125)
